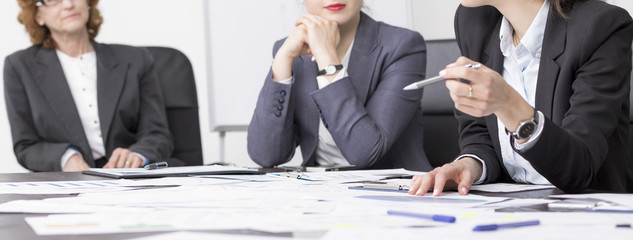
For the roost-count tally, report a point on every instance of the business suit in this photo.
(45, 122)
(373, 121)
(582, 89)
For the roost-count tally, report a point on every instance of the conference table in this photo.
(13, 226)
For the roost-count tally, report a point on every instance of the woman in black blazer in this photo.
(74, 103)
(555, 74)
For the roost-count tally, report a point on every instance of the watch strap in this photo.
(534, 121)
(324, 71)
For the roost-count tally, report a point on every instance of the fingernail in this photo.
(436, 192)
(442, 73)
(464, 190)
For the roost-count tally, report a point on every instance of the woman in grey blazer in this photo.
(335, 89)
(74, 103)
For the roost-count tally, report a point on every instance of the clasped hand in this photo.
(314, 36)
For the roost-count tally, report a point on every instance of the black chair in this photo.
(181, 102)
(440, 126)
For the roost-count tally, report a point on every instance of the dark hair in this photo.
(41, 34)
(561, 6)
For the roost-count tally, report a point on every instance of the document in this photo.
(509, 187)
(168, 171)
(207, 236)
(65, 187)
(609, 200)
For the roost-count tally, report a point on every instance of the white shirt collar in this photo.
(533, 38)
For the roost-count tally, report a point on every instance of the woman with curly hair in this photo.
(74, 103)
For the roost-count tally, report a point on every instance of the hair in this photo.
(41, 35)
(561, 6)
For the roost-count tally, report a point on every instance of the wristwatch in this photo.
(330, 69)
(526, 128)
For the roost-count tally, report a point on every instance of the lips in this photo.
(71, 15)
(335, 7)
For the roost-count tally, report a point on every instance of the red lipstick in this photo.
(335, 7)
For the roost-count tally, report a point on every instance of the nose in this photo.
(68, 4)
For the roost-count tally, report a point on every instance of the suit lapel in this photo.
(53, 84)
(110, 82)
(362, 62)
(493, 58)
(553, 46)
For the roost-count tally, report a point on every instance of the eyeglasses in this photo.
(49, 3)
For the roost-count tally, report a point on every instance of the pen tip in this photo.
(410, 87)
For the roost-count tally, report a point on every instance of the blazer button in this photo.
(278, 114)
(280, 107)
(281, 100)
(282, 93)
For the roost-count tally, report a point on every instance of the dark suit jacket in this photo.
(582, 89)
(44, 120)
(373, 121)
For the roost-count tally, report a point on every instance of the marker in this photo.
(434, 217)
(157, 165)
(425, 82)
(493, 227)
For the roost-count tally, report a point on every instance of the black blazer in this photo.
(44, 120)
(582, 89)
(373, 122)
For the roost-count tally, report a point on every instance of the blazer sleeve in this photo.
(570, 155)
(154, 140)
(32, 152)
(272, 136)
(364, 132)
(474, 137)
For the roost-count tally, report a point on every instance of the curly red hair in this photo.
(41, 34)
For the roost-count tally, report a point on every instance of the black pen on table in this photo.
(156, 165)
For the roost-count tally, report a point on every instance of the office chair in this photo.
(441, 137)
(175, 74)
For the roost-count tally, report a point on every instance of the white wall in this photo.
(179, 24)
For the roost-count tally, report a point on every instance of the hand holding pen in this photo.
(429, 81)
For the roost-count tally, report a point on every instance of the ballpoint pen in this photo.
(425, 82)
(385, 186)
(434, 217)
(156, 165)
(492, 227)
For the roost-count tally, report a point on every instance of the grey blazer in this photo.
(45, 122)
(372, 120)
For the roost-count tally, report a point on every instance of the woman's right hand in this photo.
(461, 174)
(294, 46)
(76, 163)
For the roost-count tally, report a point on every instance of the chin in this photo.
(472, 3)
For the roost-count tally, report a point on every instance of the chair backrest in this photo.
(175, 74)
(439, 123)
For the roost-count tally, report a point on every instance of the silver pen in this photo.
(157, 165)
(385, 186)
(425, 82)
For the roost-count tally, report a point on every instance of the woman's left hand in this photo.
(488, 93)
(123, 158)
(323, 38)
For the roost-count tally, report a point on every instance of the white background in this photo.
(181, 25)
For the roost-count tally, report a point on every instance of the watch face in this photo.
(526, 130)
(330, 69)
